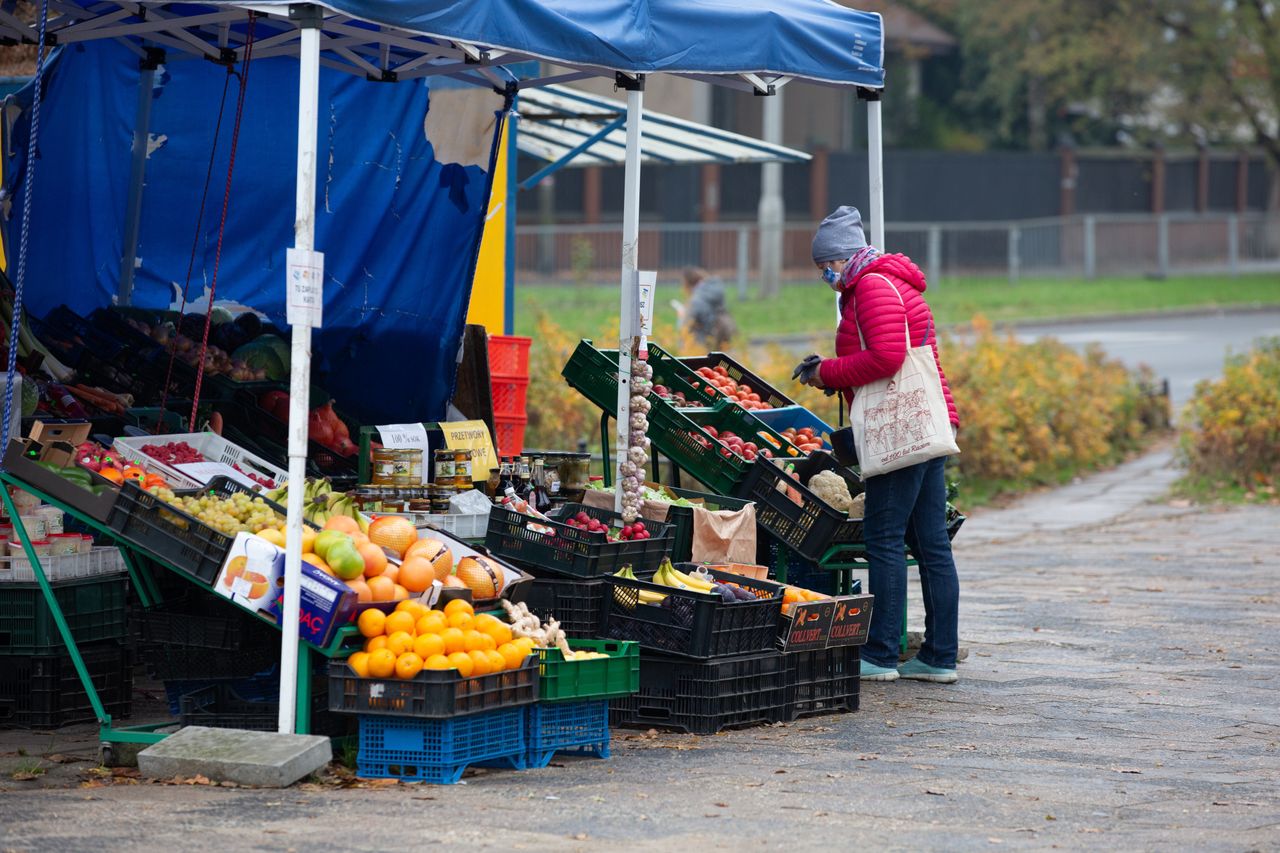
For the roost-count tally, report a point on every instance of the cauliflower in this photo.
(832, 488)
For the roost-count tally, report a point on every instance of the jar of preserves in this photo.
(384, 467)
(440, 499)
(462, 469)
(444, 474)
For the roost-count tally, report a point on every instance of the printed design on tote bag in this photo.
(898, 417)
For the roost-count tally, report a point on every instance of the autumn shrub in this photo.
(1231, 427)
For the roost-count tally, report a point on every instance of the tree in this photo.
(1152, 70)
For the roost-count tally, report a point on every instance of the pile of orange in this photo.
(412, 638)
(795, 595)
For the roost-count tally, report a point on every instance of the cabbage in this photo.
(267, 353)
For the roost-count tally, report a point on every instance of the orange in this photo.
(437, 662)
(458, 619)
(483, 619)
(359, 663)
(375, 559)
(526, 644)
(495, 629)
(363, 594)
(482, 665)
(472, 640)
(512, 655)
(345, 523)
(391, 572)
(408, 665)
(318, 563)
(399, 643)
(417, 573)
(375, 643)
(427, 645)
(459, 605)
(417, 608)
(381, 663)
(497, 662)
(400, 621)
(463, 663)
(372, 622)
(453, 640)
(381, 587)
(400, 593)
(433, 623)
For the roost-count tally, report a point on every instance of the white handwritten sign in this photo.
(305, 272)
(648, 284)
(408, 437)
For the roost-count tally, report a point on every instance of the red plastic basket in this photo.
(510, 434)
(509, 395)
(509, 356)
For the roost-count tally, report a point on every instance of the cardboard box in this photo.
(253, 577)
(20, 461)
(59, 441)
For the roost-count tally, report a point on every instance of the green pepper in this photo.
(74, 474)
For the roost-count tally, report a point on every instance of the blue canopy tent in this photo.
(754, 45)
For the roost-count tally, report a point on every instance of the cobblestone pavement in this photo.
(1121, 692)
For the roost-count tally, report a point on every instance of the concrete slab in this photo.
(260, 759)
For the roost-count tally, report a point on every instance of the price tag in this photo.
(305, 286)
(810, 626)
(851, 621)
(648, 285)
(409, 437)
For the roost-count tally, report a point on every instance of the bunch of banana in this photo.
(669, 575)
(313, 490)
(647, 596)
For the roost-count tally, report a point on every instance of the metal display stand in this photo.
(137, 561)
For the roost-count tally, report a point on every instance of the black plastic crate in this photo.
(681, 519)
(693, 624)
(735, 371)
(175, 537)
(249, 417)
(431, 694)
(555, 547)
(172, 662)
(801, 571)
(790, 511)
(94, 609)
(705, 697)
(44, 691)
(825, 681)
(194, 623)
(219, 706)
(575, 604)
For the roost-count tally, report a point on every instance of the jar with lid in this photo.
(444, 474)
(440, 499)
(462, 469)
(403, 468)
(491, 487)
(384, 467)
(415, 467)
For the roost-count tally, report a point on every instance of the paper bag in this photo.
(724, 536)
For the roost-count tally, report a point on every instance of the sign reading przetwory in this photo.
(472, 435)
(810, 626)
(850, 621)
(305, 286)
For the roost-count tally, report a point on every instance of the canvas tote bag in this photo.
(902, 420)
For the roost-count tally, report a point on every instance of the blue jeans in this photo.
(910, 506)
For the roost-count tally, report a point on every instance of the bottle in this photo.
(515, 503)
(524, 485)
(541, 497)
(505, 478)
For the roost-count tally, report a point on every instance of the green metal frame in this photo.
(138, 563)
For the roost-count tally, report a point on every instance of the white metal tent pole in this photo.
(304, 236)
(137, 170)
(629, 322)
(771, 213)
(875, 166)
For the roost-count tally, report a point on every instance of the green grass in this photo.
(808, 308)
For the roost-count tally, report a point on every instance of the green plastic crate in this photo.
(94, 609)
(602, 678)
(594, 373)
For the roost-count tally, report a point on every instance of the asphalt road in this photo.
(1182, 349)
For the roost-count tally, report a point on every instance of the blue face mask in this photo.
(830, 276)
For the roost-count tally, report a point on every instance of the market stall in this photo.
(710, 617)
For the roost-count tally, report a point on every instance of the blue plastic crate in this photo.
(798, 417)
(263, 687)
(578, 727)
(439, 751)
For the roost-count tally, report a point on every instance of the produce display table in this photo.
(137, 561)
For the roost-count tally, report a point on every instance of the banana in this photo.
(648, 596)
(626, 572)
(690, 581)
(363, 521)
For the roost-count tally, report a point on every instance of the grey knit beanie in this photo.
(839, 235)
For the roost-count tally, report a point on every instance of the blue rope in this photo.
(28, 191)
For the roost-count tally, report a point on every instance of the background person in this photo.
(706, 316)
(910, 504)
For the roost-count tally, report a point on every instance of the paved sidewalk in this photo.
(1121, 693)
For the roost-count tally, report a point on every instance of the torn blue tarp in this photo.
(399, 229)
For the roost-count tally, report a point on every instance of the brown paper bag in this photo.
(724, 536)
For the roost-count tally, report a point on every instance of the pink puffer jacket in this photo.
(868, 300)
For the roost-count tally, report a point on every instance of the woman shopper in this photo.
(877, 294)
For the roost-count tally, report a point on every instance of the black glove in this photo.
(806, 369)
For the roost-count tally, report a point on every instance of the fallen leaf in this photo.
(1049, 817)
(1127, 770)
(891, 724)
(935, 793)
(23, 776)
(776, 772)
(581, 836)
(967, 747)
(868, 757)
(721, 805)
(59, 758)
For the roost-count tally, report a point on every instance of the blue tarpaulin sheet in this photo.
(399, 229)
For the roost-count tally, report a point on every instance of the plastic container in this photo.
(555, 547)
(213, 447)
(463, 526)
(431, 694)
(822, 682)
(810, 525)
(219, 706)
(735, 371)
(509, 355)
(705, 697)
(509, 393)
(796, 417)
(44, 691)
(53, 520)
(228, 628)
(508, 434)
(594, 373)
(599, 678)
(171, 535)
(439, 751)
(64, 544)
(693, 624)
(34, 523)
(575, 604)
(93, 607)
(580, 728)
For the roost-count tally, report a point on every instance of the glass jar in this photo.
(402, 472)
(415, 467)
(440, 499)
(444, 474)
(495, 477)
(384, 467)
(462, 469)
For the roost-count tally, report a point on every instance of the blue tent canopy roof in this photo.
(745, 43)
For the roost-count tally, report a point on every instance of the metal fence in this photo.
(1088, 247)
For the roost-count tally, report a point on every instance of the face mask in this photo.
(832, 278)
